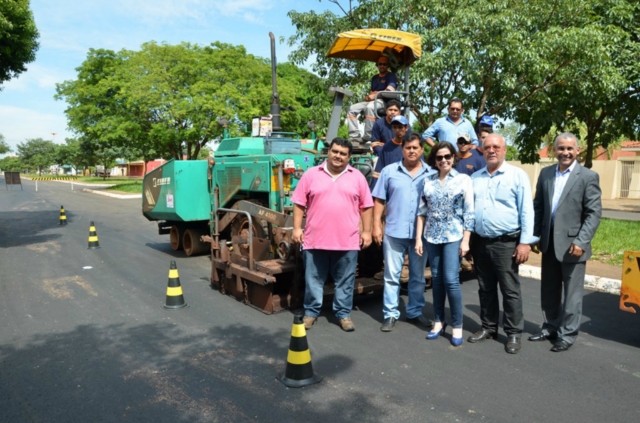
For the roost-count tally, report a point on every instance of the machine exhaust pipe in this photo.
(275, 97)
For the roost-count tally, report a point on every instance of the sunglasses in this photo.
(463, 142)
(445, 157)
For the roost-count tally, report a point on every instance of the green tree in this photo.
(600, 102)
(96, 112)
(72, 153)
(37, 153)
(165, 101)
(4, 147)
(13, 164)
(498, 56)
(18, 38)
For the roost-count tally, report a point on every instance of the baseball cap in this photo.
(465, 137)
(486, 120)
(401, 120)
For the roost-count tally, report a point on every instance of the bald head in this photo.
(568, 136)
(566, 150)
(494, 150)
(499, 138)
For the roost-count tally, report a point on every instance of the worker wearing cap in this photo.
(392, 151)
(383, 81)
(469, 159)
(486, 121)
(448, 127)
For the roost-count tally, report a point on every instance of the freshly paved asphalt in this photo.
(96, 345)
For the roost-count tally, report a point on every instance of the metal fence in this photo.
(630, 177)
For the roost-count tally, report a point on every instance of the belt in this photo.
(511, 236)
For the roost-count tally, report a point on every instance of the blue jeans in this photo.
(342, 266)
(445, 270)
(394, 250)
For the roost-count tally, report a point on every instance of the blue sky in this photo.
(69, 28)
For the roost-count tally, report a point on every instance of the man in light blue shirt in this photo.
(449, 127)
(400, 185)
(504, 220)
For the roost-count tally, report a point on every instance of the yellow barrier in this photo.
(54, 178)
(630, 288)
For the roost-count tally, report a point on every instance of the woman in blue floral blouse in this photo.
(447, 217)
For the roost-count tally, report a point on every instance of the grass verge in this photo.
(613, 238)
(130, 187)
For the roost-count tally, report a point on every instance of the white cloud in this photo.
(203, 11)
(37, 76)
(19, 124)
(251, 17)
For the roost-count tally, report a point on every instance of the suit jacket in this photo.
(577, 216)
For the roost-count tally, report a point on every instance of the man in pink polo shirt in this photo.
(336, 196)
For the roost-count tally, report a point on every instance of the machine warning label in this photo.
(161, 181)
(169, 201)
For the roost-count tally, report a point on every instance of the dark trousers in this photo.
(561, 318)
(496, 266)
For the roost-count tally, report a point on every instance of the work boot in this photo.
(404, 274)
(347, 325)
(309, 321)
(428, 278)
(465, 266)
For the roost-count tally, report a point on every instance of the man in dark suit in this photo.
(568, 209)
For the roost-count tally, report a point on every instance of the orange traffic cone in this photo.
(93, 238)
(299, 371)
(175, 299)
(63, 217)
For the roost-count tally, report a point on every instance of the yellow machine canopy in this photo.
(369, 44)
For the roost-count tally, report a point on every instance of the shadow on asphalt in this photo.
(21, 228)
(605, 320)
(159, 373)
(165, 247)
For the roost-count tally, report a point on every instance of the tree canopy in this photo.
(4, 147)
(165, 100)
(18, 38)
(37, 153)
(501, 57)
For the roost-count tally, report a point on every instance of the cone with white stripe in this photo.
(299, 371)
(93, 238)
(63, 217)
(175, 298)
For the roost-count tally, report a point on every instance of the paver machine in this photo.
(238, 206)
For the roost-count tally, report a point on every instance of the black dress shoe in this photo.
(420, 320)
(388, 324)
(541, 336)
(560, 346)
(513, 344)
(481, 335)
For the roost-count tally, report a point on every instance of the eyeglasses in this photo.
(445, 157)
(382, 64)
(463, 142)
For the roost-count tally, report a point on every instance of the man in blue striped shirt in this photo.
(502, 241)
(399, 187)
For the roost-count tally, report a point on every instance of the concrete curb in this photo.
(93, 191)
(113, 195)
(594, 283)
